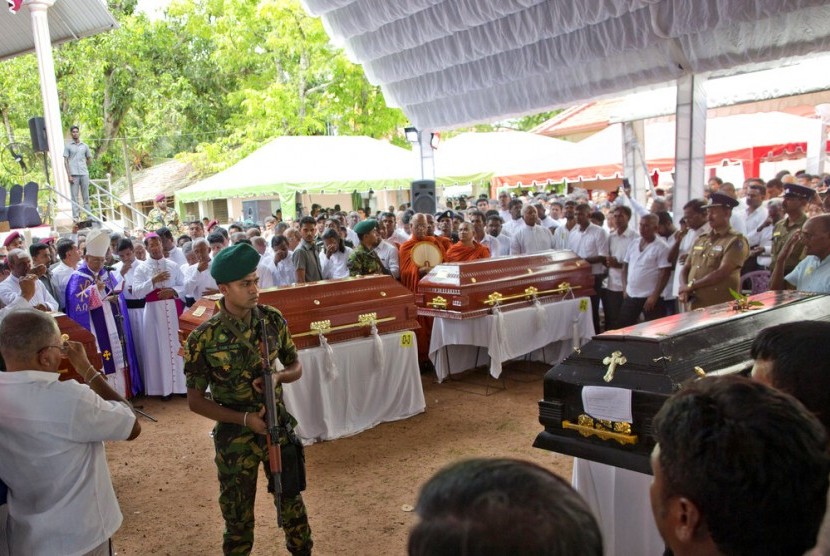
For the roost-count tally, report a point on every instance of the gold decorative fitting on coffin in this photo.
(321, 325)
(437, 302)
(324, 326)
(603, 429)
(699, 371)
(564, 287)
(616, 358)
(316, 301)
(368, 319)
(383, 294)
(473, 280)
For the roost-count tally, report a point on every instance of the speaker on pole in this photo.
(37, 130)
(423, 196)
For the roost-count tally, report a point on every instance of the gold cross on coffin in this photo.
(616, 358)
(107, 355)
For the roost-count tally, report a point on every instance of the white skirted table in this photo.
(620, 501)
(358, 395)
(548, 333)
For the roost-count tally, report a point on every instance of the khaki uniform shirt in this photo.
(710, 251)
(781, 233)
(158, 218)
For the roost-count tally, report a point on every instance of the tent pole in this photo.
(690, 141)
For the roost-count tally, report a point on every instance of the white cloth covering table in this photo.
(454, 346)
(361, 396)
(620, 501)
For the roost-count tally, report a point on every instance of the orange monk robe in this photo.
(459, 253)
(410, 278)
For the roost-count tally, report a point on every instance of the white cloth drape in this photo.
(362, 396)
(448, 64)
(554, 341)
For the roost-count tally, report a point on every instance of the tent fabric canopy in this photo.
(315, 164)
(68, 20)
(744, 138)
(454, 63)
(477, 157)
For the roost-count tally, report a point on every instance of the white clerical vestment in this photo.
(135, 310)
(164, 367)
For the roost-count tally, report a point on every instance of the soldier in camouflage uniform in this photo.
(219, 355)
(363, 259)
(162, 216)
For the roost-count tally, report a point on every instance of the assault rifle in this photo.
(272, 422)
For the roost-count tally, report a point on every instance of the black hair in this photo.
(624, 209)
(307, 220)
(36, 248)
(696, 205)
(64, 246)
(216, 237)
(800, 356)
(276, 241)
(753, 461)
(165, 233)
(124, 243)
(502, 507)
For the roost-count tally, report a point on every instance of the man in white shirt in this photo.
(277, 270)
(560, 235)
(645, 274)
(530, 237)
(504, 206)
(514, 220)
(754, 218)
(334, 256)
(69, 256)
(61, 499)
(20, 264)
(618, 242)
(171, 251)
(812, 274)
(589, 241)
(197, 279)
(544, 220)
(389, 257)
(497, 242)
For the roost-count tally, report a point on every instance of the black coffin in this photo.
(660, 357)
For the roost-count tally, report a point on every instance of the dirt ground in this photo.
(357, 486)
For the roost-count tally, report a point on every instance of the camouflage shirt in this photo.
(363, 261)
(214, 357)
(157, 218)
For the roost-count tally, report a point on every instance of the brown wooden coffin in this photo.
(470, 289)
(341, 309)
(651, 361)
(77, 333)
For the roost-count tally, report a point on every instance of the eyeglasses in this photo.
(61, 347)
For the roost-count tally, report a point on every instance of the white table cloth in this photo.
(619, 499)
(362, 396)
(454, 346)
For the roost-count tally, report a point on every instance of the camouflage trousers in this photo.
(239, 454)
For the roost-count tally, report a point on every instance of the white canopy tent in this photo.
(449, 63)
(476, 157)
(318, 164)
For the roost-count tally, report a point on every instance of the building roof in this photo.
(166, 177)
(68, 20)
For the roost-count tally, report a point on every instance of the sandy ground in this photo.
(358, 487)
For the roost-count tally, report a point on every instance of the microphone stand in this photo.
(122, 338)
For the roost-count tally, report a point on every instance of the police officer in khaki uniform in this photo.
(713, 266)
(796, 198)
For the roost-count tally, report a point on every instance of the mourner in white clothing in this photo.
(69, 256)
(390, 258)
(334, 256)
(161, 283)
(20, 264)
(530, 237)
(589, 241)
(197, 279)
(694, 212)
(171, 250)
(497, 242)
(618, 242)
(645, 274)
(135, 305)
(278, 269)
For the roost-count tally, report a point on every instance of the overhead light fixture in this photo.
(412, 134)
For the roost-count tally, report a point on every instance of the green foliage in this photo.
(210, 82)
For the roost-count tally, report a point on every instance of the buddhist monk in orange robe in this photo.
(467, 249)
(411, 274)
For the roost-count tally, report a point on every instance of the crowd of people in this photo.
(130, 291)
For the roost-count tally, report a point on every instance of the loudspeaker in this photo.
(423, 196)
(37, 130)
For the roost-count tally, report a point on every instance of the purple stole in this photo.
(92, 318)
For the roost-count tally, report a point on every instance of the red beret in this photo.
(10, 238)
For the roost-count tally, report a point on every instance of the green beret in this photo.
(365, 226)
(234, 263)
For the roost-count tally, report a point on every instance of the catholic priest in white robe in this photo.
(161, 283)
